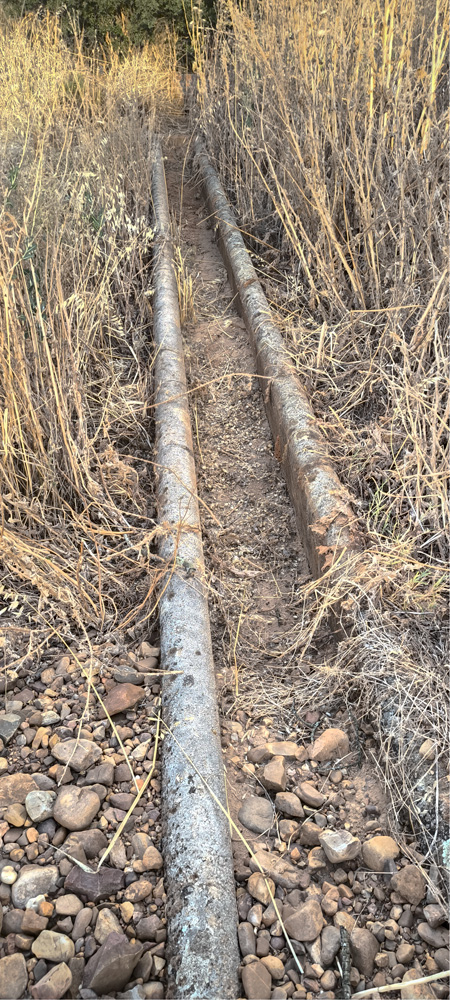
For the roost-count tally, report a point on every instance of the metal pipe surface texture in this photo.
(203, 954)
(322, 508)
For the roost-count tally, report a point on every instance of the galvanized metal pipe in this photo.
(325, 519)
(203, 954)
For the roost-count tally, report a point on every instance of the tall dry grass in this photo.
(327, 120)
(75, 314)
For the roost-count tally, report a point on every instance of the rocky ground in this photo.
(340, 882)
(65, 788)
(314, 819)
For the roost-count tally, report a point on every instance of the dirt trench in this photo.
(254, 557)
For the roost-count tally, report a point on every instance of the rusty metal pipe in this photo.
(325, 519)
(203, 954)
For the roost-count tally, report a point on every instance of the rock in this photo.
(9, 724)
(54, 985)
(15, 788)
(423, 992)
(442, 957)
(118, 855)
(247, 938)
(289, 804)
(68, 905)
(339, 845)
(258, 886)
(82, 921)
(54, 947)
(309, 834)
(122, 697)
(332, 744)
(274, 965)
(76, 807)
(274, 775)
(310, 795)
(138, 891)
(33, 923)
(405, 953)
(93, 842)
(435, 915)
(110, 969)
(80, 755)
(256, 814)
(410, 883)
(378, 852)
(39, 805)
(257, 981)
(330, 943)
(33, 881)
(306, 923)
(152, 859)
(288, 829)
(15, 814)
(154, 991)
(427, 749)
(434, 937)
(95, 885)
(13, 977)
(147, 927)
(343, 919)
(123, 674)
(107, 923)
(281, 871)
(103, 774)
(286, 749)
(363, 946)
(139, 843)
(8, 875)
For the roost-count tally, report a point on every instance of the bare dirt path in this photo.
(254, 556)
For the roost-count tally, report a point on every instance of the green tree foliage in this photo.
(101, 18)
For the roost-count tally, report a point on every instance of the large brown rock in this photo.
(80, 755)
(54, 985)
(363, 946)
(274, 775)
(289, 804)
(110, 969)
(122, 697)
(256, 813)
(76, 807)
(306, 923)
(410, 883)
(412, 992)
(331, 745)
(53, 946)
(257, 981)
(95, 885)
(310, 795)
(378, 852)
(15, 788)
(281, 871)
(13, 977)
(330, 942)
(339, 845)
(33, 881)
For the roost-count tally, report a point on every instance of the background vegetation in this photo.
(75, 358)
(123, 22)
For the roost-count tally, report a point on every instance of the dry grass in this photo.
(76, 516)
(328, 124)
